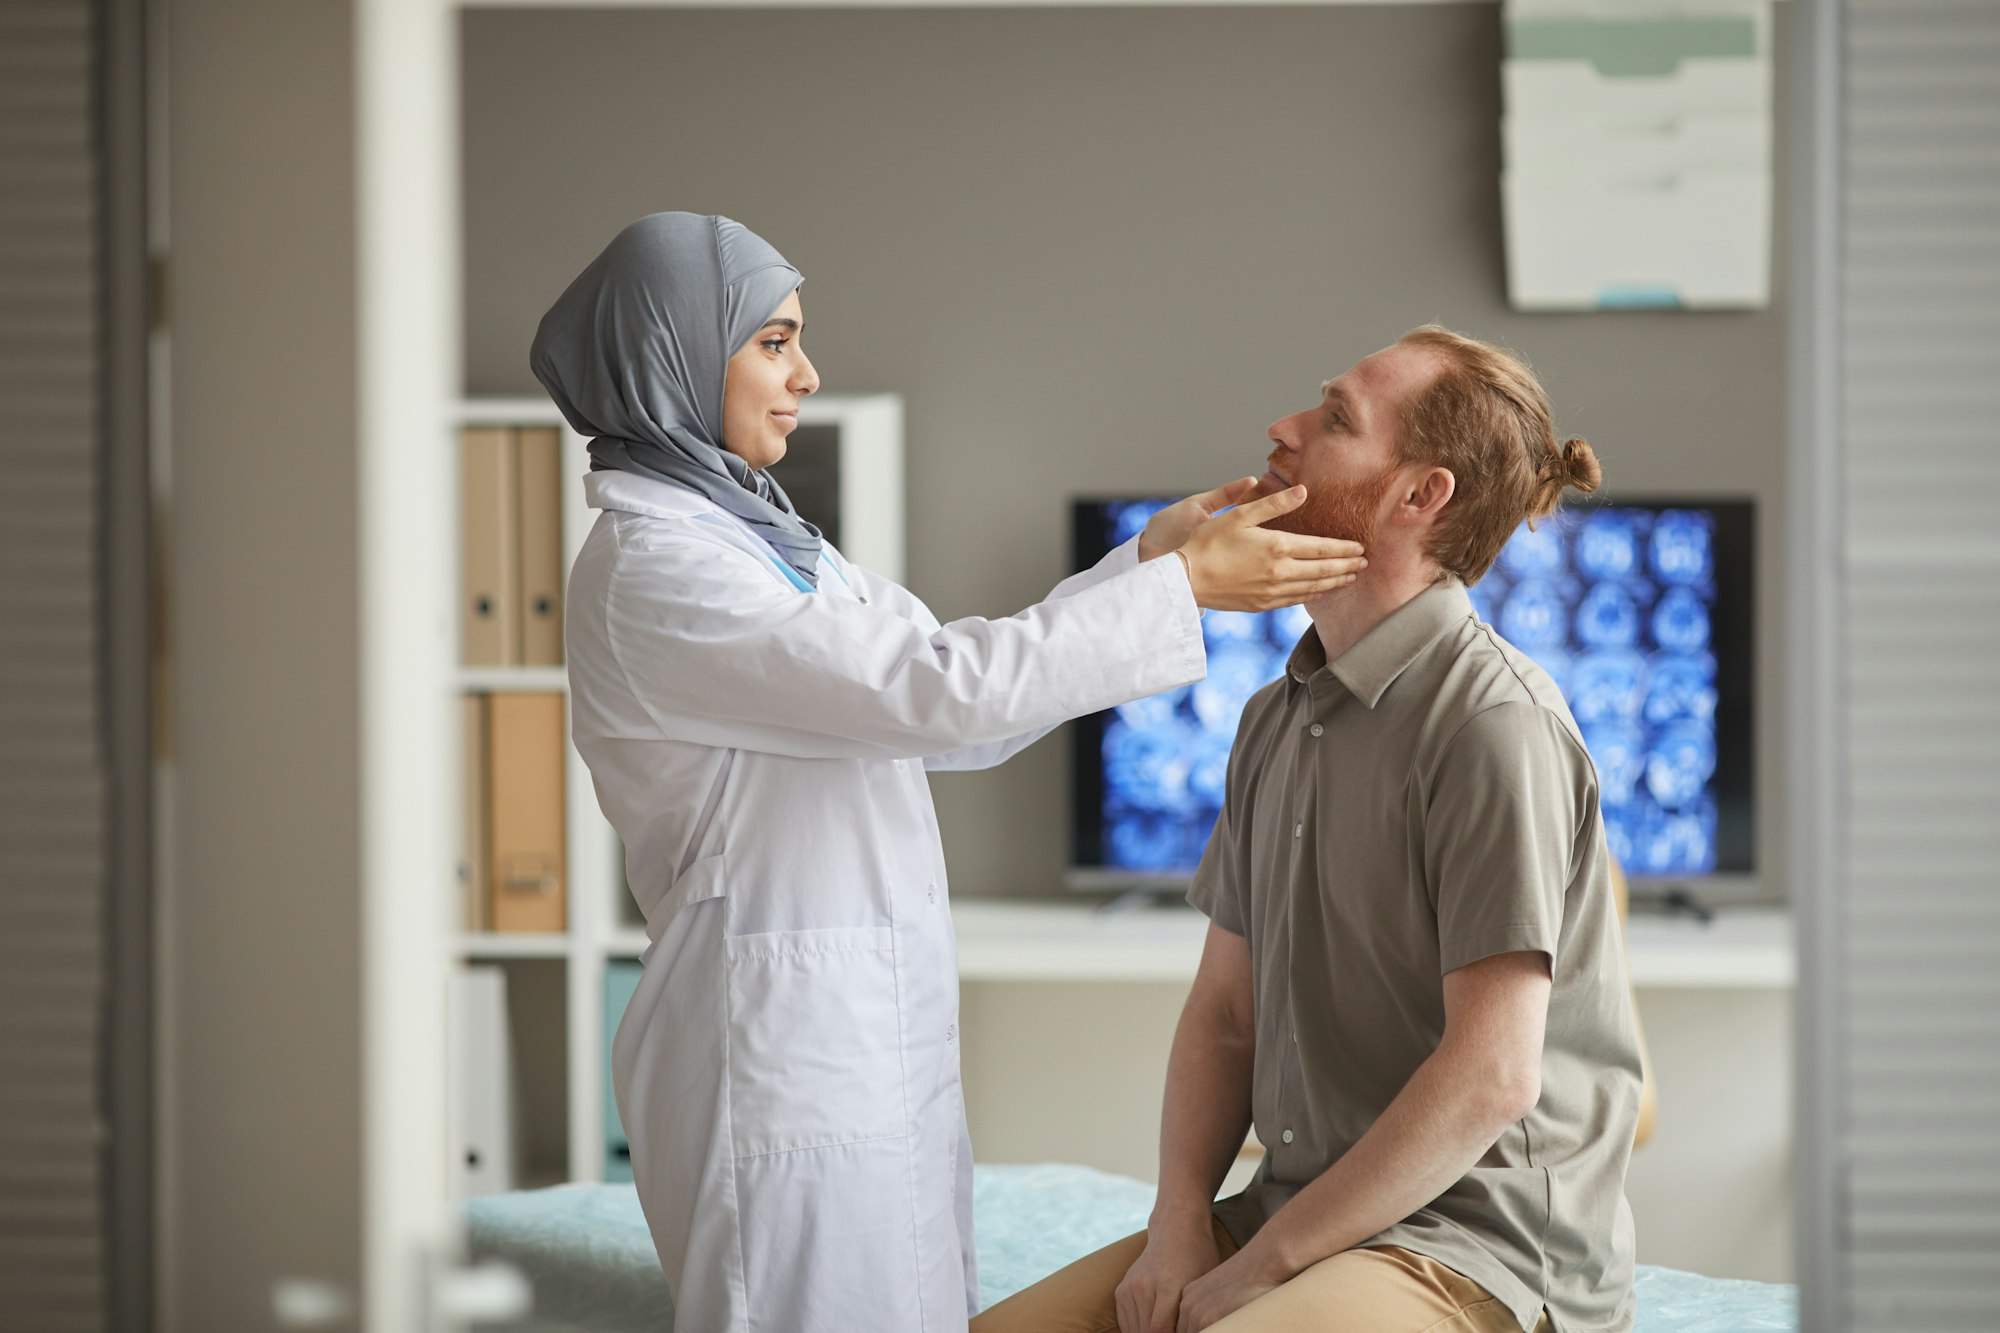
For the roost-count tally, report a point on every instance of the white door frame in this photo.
(408, 359)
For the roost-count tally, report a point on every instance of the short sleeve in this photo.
(1221, 888)
(1508, 798)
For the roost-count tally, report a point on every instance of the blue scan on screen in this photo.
(1638, 612)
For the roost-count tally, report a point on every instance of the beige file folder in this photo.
(524, 811)
(540, 528)
(489, 571)
(472, 830)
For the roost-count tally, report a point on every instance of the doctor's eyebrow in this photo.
(782, 322)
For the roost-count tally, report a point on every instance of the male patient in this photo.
(1412, 983)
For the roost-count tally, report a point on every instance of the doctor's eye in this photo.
(776, 345)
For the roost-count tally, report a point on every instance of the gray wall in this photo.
(1097, 250)
(259, 902)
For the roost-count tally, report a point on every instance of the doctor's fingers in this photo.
(1224, 495)
(1268, 508)
(1301, 546)
(1325, 583)
(1288, 569)
(1275, 595)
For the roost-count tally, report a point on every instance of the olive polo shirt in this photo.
(1419, 804)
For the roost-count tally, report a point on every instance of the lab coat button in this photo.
(951, 1033)
(1286, 1136)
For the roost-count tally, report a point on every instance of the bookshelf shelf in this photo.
(496, 680)
(625, 943)
(478, 945)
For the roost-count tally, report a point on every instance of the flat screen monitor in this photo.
(1640, 610)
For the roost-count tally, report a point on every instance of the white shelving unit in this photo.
(1002, 941)
(602, 923)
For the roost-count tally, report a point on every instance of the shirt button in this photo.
(1299, 830)
(1318, 730)
(1286, 1136)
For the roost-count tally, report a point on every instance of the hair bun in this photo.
(1579, 466)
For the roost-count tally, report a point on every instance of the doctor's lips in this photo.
(787, 418)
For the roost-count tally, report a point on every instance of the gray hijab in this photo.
(635, 350)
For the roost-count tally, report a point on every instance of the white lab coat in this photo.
(788, 1069)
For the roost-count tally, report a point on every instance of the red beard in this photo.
(1333, 510)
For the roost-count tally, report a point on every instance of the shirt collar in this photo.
(1371, 666)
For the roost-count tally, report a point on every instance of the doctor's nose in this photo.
(805, 379)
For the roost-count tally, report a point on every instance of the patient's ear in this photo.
(1428, 493)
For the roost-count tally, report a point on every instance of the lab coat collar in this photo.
(629, 493)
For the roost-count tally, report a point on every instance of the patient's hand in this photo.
(1149, 1299)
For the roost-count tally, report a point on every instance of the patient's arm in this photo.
(1484, 1076)
(1206, 1110)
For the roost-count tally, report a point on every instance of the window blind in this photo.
(52, 778)
(1917, 980)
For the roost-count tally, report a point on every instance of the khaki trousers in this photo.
(1386, 1290)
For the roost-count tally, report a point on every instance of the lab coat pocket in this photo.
(815, 1039)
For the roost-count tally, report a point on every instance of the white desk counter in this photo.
(1031, 939)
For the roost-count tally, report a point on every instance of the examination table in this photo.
(586, 1252)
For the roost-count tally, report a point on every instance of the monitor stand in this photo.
(1143, 897)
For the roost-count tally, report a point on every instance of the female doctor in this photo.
(757, 715)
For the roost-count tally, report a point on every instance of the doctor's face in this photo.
(1343, 448)
(763, 385)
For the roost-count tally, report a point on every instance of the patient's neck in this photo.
(1343, 618)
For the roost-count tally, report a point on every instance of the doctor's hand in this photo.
(1169, 529)
(1149, 1299)
(1236, 565)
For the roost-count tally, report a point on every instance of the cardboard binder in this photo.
(489, 546)
(537, 450)
(524, 812)
(484, 1144)
(472, 818)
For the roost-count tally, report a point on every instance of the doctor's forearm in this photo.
(1205, 1113)
(1431, 1135)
